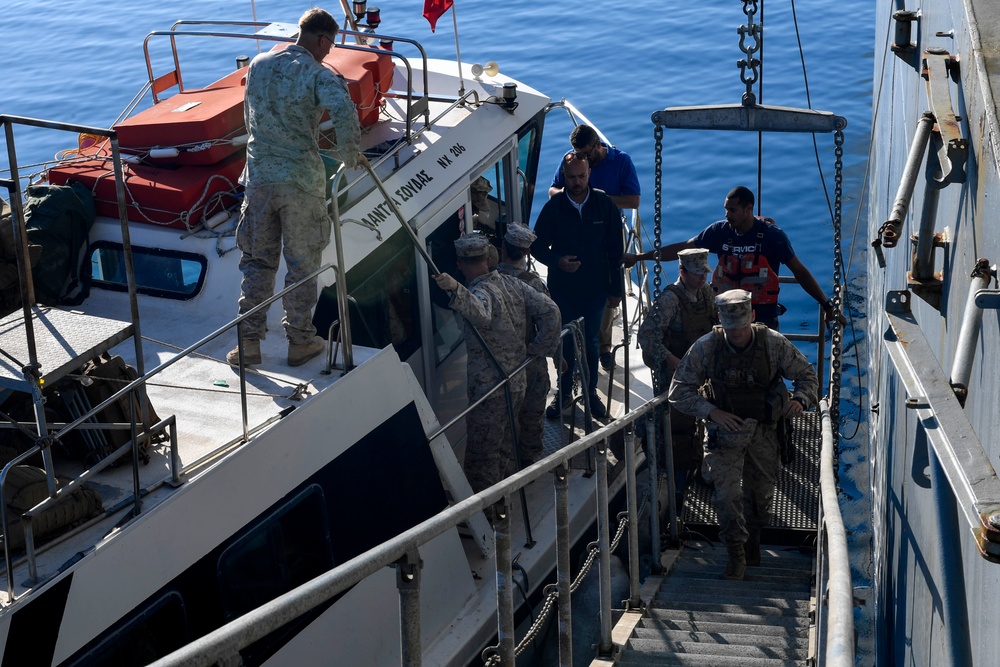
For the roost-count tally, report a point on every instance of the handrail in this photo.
(226, 640)
(839, 630)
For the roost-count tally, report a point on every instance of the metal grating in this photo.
(64, 341)
(796, 498)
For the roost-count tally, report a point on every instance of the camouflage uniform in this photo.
(747, 383)
(531, 417)
(287, 91)
(499, 306)
(683, 318)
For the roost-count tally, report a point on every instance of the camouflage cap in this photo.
(734, 308)
(469, 246)
(694, 260)
(519, 236)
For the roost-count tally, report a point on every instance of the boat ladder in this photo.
(697, 618)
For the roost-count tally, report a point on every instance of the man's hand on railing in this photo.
(446, 282)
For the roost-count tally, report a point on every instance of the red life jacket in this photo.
(750, 271)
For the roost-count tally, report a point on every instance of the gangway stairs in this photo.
(698, 618)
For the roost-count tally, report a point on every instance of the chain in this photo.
(755, 32)
(657, 241)
(837, 336)
(491, 656)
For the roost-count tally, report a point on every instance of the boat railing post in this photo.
(606, 645)
(564, 577)
(654, 510)
(243, 379)
(408, 584)
(343, 308)
(634, 601)
(505, 587)
(666, 436)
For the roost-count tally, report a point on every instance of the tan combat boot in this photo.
(737, 564)
(752, 548)
(300, 353)
(251, 353)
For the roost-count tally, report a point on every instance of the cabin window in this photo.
(169, 274)
(158, 629)
(448, 332)
(287, 549)
(384, 308)
(489, 195)
(528, 148)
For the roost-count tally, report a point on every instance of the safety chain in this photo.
(837, 335)
(492, 657)
(657, 242)
(755, 32)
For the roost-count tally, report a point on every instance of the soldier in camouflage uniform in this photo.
(499, 307)
(531, 418)
(741, 365)
(287, 91)
(684, 312)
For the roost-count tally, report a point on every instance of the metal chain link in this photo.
(837, 336)
(491, 655)
(755, 32)
(657, 241)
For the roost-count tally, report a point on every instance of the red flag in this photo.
(433, 9)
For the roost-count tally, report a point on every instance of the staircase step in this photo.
(656, 646)
(633, 659)
(764, 606)
(741, 617)
(749, 586)
(737, 637)
(793, 629)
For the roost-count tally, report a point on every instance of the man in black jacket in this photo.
(580, 239)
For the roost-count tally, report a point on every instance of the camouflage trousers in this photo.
(271, 215)
(531, 417)
(488, 445)
(743, 476)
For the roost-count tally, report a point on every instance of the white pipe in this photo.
(840, 591)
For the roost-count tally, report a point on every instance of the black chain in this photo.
(657, 243)
(837, 336)
(755, 33)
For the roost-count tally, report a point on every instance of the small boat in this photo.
(201, 492)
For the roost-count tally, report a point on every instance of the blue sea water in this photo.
(79, 61)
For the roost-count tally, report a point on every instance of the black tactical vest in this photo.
(741, 382)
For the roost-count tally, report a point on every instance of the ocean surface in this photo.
(83, 62)
(79, 61)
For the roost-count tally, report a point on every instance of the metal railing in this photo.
(224, 642)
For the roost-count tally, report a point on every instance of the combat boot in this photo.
(752, 548)
(737, 564)
(300, 353)
(251, 353)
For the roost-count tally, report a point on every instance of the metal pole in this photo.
(604, 545)
(564, 577)
(890, 231)
(505, 582)
(923, 252)
(408, 584)
(668, 472)
(634, 602)
(343, 305)
(972, 320)
(654, 512)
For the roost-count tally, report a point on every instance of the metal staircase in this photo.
(698, 618)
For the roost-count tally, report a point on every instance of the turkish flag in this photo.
(433, 9)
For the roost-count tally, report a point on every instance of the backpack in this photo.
(59, 219)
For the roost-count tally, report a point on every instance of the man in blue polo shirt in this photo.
(750, 251)
(612, 171)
